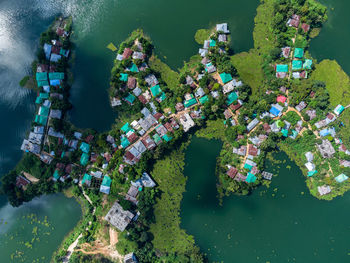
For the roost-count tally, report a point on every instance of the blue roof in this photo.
(274, 111)
(324, 132)
(55, 82)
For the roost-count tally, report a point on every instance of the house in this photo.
(46, 158)
(127, 53)
(311, 114)
(236, 105)
(324, 189)
(132, 194)
(298, 52)
(326, 149)
(151, 80)
(249, 164)
(253, 150)
(186, 121)
(118, 217)
(251, 178)
(222, 28)
(297, 65)
(310, 166)
(189, 80)
(27, 146)
(294, 21)
(267, 127)
(281, 99)
(140, 147)
(56, 114)
(210, 68)
(309, 156)
(35, 138)
(302, 105)
(267, 175)
(138, 55)
(341, 178)
(240, 151)
(232, 172)
(222, 38)
(227, 114)
(131, 83)
(199, 92)
(252, 124)
(305, 27)
(339, 109)
(240, 177)
(161, 130)
(225, 77)
(203, 52)
(342, 148)
(106, 185)
(286, 52)
(344, 163)
(130, 258)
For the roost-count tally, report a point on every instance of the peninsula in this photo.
(130, 180)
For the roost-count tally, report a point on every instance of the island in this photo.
(129, 180)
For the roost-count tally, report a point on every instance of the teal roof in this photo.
(41, 97)
(204, 99)
(41, 76)
(341, 178)
(225, 77)
(162, 96)
(106, 181)
(63, 52)
(294, 134)
(85, 147)
(155, 90)
(212, 43)
(167, 138)
(41, 120)
(297, 64)
(44, 111)
(339, 109)
(232, 97)
(281, 68)
(124, 142)
(84, 159)
(134, 68)
(126, 128)
(248, 166)
(56, 75)
(123, 77)
(311, 173)
(156, 138)
(251, 178)
(130, 98)
(307, 64)
(189, 103)
(298, 52)
(86, 179)
(42, 83)
(56, 175)
(284, 132)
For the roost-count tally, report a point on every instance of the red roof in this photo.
(60, 166)
(21, 181)
(305, 27)
(266, 127)
(168, 126)
(132, 137)
(232, 172)
(89, 138)
(127, 53)
(252, 150)
(158, 115)
(55, 50)
(60, 31)
(68, 169)
(131, 82)
(235, 107)
(107, 156)
(142, 99)
(281, 99)
(93, 157)
(129, 156)
(330, 116)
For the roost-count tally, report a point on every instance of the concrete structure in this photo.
(118, 217)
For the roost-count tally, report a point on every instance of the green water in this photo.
(32, 232)
(283, 223)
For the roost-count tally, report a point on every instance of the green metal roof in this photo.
(41, 76)
(167, 138)
(225, 77)
(298, 52)
(41, 97)
(248, 166)
(204, 99)
(85, 147)
(130, 98)
(232, 97)
(41, 120)
(134, 68)
(297, 64)
(156, 138)
(251, 178)
(44, 111)
(56, 175)
(311, 173)
(63, 52)
(212, 43)
(156, 90)
(56, 75)
(189, 103)
(106, 181)
(307, 64)
(126, 128)
(339, 109)
(86, 179)
(281, 68)
(84, 159)
(123, 77)
(42, 83)
(124, 142)
(284, 132)
(162, 96)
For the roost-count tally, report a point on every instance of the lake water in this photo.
(283, 223)
(170, 24)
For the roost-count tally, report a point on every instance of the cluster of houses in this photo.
(299, 65)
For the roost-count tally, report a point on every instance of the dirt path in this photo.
(113, 237)
(100, 247)
(71, 248)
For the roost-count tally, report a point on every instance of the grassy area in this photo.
(168, 236)
(345, 131)
(248, 65)
(214, 130)
(201, 35)
(263, 36)
(337, 81)
(167, 74)
(24, 81)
